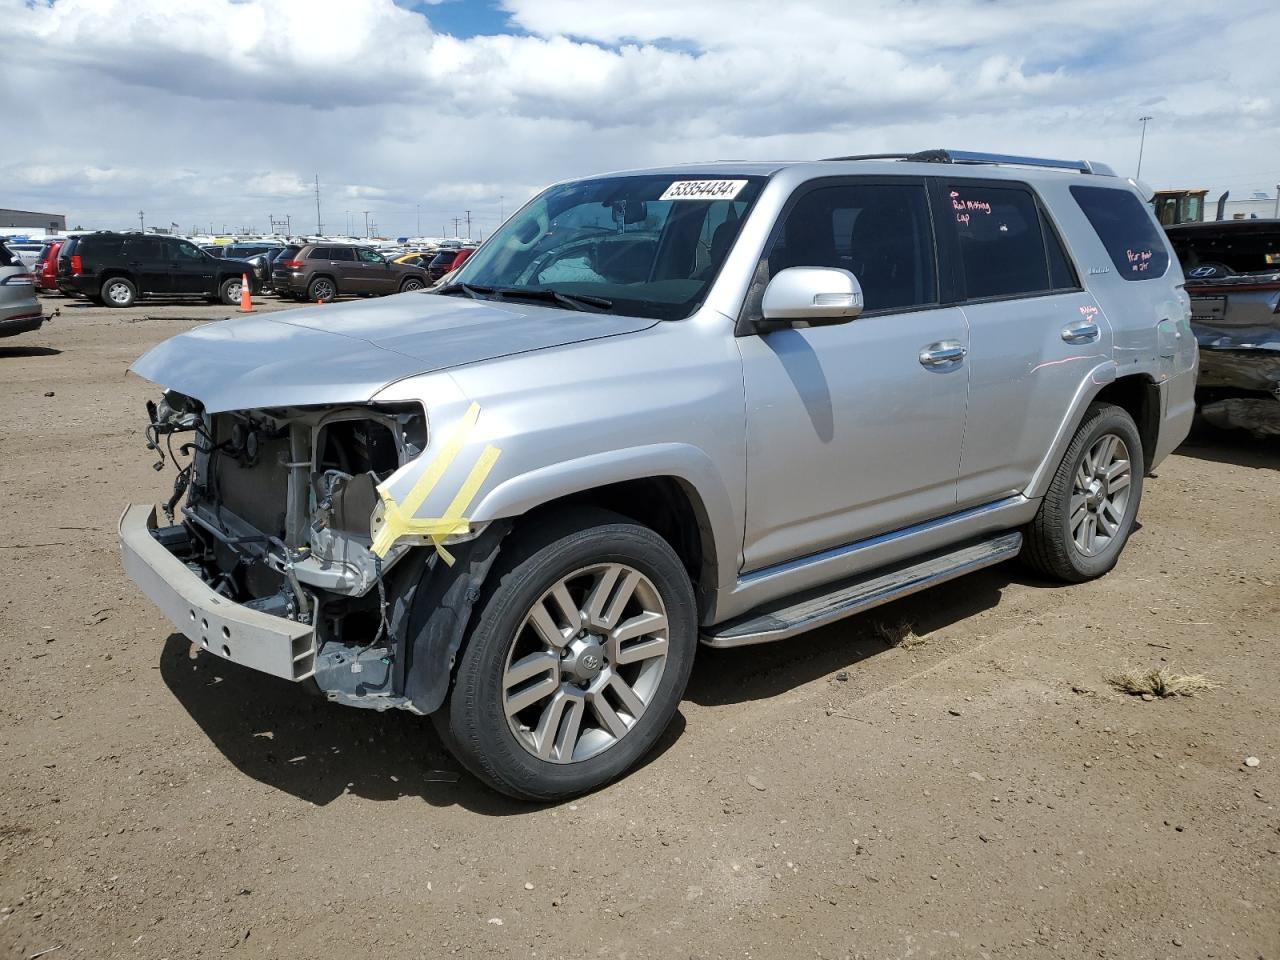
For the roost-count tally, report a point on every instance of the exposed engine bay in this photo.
(272, 508)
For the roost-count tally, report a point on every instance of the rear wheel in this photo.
(578, 659)
(413, 283)
(119, 292)
(322, 290)
(1086, 517)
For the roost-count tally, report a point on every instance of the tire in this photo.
(229, 291)
(119, 292)
(506, 660)
(1057, 541)
(322, 289)
(413, 283)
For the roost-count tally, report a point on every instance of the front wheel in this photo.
(578, 659)
(230, 290)
(1086, 517)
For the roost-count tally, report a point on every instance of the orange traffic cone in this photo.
(246, 298)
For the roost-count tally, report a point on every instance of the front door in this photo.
(149, 262)
(376, 275)
(854, 430)
(193, 269)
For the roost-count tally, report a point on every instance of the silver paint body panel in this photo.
(810, 454)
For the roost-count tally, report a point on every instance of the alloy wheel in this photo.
(323, 290)
(1100, 494)
(118, 293)
(586, 663)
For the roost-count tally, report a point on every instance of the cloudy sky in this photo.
(221, 112)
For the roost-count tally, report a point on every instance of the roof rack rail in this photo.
(969, 156)
(871, 156)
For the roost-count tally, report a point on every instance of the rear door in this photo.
(342, 264)
(148, 261)
(193, 270)
(1035, 334)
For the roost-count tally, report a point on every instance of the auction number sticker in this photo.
(703, 190)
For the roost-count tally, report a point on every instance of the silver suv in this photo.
(725, 403)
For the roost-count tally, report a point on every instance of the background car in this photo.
(46, 268)
(323, 271)
(20, 311)
(1232, 269)
(27, 251)
(118, 268)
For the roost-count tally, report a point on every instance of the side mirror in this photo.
(816, 296)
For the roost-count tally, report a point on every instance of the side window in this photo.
(881, 233)
(1126, 229)
(188, 251)
(1002, 246)
(369, 256)
(145, 248)
(342, 253)
(320, 253)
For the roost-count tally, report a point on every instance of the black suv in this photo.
(118, 268)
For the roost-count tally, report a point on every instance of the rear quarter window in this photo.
(1126, 229)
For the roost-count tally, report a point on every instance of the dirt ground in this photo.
(973, 789)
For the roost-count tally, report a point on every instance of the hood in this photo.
(345, 354)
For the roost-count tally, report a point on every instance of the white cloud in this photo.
(213, 109)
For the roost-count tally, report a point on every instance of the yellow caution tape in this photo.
(398, 519)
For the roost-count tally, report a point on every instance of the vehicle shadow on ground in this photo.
(285, 737)
(724, 677)
(1239, 447)
(28, 352)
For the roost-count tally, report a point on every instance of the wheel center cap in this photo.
(1095, 494)
(583, 659)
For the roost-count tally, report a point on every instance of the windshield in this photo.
(648, 246)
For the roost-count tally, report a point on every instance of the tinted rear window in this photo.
(1002, 244)
(1126, 229)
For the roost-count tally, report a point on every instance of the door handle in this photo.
(1082, 331)
(942, 353)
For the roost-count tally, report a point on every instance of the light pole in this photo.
(417, 207)
(1141, 144)
(1278, 201)
(141, 227)
(366, 224)
(502, 208)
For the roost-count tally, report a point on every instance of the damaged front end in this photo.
(266, 555)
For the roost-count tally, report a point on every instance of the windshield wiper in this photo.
(573, 301)
(471, 290)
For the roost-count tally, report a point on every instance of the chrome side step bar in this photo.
(817, 608)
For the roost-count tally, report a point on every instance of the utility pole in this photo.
(456, 221)
(418, 210)
(366, 224)
(319, 225)
(1141, 144)
(1278, 201)
(502, 207)
(468, 224)
(141, 227)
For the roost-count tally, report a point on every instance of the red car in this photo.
(46, 268)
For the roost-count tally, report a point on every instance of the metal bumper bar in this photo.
(283, 648)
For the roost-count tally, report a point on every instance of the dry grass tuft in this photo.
(1160, 682)
(901, 634)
